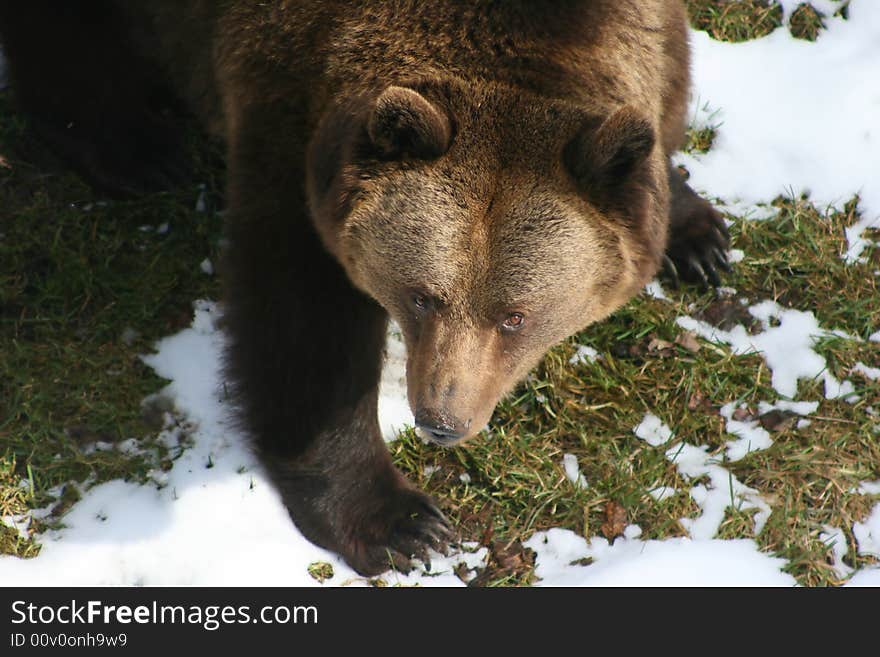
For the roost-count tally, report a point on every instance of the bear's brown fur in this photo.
(494, 176)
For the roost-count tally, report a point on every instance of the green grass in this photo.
(806, 22)
(84, 291)
(14, 499)
(735, 20)
(699, 140)
(86, 286)
(743, 20)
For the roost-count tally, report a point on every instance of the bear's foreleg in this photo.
(304, 360)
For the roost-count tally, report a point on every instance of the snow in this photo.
(867, 577)
(749, 211)
(394, 411)
(791, 117)
(215, 519)
(872, 373)
(867, 533)
(723, 491)
(652, 430)
(633, 562)
(584, 354)
(834, 538)
(787, 346)
(573, 471)
(655, 289)
(735, 256)
(750, 435)
(662, 493)
(801, 407)
(794, 117)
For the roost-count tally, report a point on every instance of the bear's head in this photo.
(490, 223)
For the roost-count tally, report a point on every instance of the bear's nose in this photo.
(439, 427)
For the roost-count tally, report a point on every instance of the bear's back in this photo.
(596, 53)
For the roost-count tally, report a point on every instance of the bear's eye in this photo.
(514, 322)
(421, 302)
(424, 304)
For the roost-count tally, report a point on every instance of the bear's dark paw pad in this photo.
(698, 249)
(407, 528)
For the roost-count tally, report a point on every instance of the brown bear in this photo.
(494, 176)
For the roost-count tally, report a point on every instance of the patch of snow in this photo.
(632, 531)
(866, 577)
(655, 289)
(872, 373)
(787, 347)
(215, 511)
(856, 240)
(869, 487)
(750, 435)
(652, 430)
(662, 493)
(633, 562)
(836, 541)
(394, 411)
(584, 354)
(723, 491)
(799, 407)
(867, 534)
(573, 471)
(835, 389)
(753, 159)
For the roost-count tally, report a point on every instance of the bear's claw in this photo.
(698, 237)
(721, 259)
(670, 270)
(417, 533)
(697, 249)
(405, 532)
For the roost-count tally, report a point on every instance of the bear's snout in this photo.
(441, 428)
(452, 380)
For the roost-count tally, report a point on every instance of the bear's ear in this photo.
(604, 158)
(403, 123)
